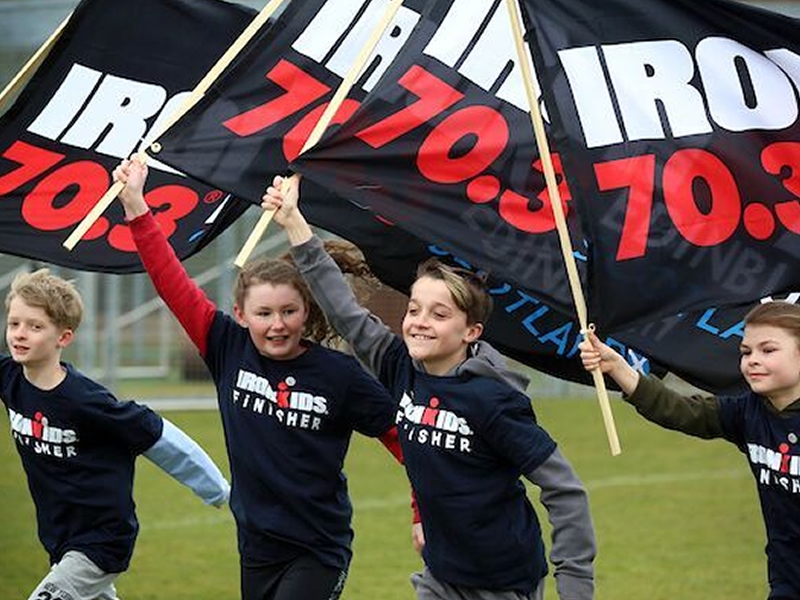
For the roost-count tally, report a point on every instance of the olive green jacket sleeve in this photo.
(694, 415)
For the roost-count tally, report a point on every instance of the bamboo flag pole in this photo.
(197, 93)
(338, 98)
(33, 63)
(561, 224)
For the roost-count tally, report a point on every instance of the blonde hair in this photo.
(58, 297)
(780, 314)
(467, 288)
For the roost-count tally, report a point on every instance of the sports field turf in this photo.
(676, 518)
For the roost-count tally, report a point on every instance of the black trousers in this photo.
(302, 578)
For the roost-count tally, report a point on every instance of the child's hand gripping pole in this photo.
(558, 213)
(197, 93)
(605, 404)
(327, 116)
(97, 210)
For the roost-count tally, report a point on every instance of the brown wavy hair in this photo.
(277, 272)
(352, 263)
(345, 254)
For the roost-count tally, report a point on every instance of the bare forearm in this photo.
(626, 377)
(134, 206)
(297, 229)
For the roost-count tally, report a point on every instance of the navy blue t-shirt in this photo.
(287, 428)
(78, 446)
(466, 440)
(770, 442)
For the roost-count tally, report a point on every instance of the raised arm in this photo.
(183, 459)
(696, 415)
(369, 337)
(182, 295)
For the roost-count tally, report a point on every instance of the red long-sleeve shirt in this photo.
(190, 305)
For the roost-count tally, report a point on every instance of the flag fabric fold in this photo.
(522, 325)
(118, 68)
(254, 120)
(432, 152)
(677, 125)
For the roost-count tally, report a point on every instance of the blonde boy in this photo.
(78, 445)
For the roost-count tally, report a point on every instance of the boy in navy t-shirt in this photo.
(78, 445)
(467, 431)
(762, 423)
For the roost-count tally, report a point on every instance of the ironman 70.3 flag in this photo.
(439, 140)
(119, 68)
(434, 136)
(677, 124)
(254, 120)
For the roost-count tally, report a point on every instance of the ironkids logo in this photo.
(433, 426)
(290, 407)
(37, 433)
(779, 468)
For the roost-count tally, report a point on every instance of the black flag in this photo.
(118, 68)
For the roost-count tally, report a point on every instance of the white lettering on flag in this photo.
(663, 91)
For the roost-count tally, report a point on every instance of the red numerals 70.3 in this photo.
(683, 172)
(440, 157)
(64, 193)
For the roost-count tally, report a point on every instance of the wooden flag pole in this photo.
(561, 223)
(197, 93)
(33, 63)
(330, 111)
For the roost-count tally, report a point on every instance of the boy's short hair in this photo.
(58, 297)
(778, 313)
(467, 288)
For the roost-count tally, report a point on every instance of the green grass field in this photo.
(676, 518)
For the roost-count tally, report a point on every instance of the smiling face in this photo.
(275, 315)
(34, 341)
(435, 330)
(770, 363)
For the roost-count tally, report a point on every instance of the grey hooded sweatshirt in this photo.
(573, 545)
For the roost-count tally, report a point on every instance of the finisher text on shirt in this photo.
(433, 426)
(290, 407)
(779, 467)
(37, 434)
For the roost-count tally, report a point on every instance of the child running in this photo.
(289, 407)
(763, 423)
(467, 430)
(78, 445)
